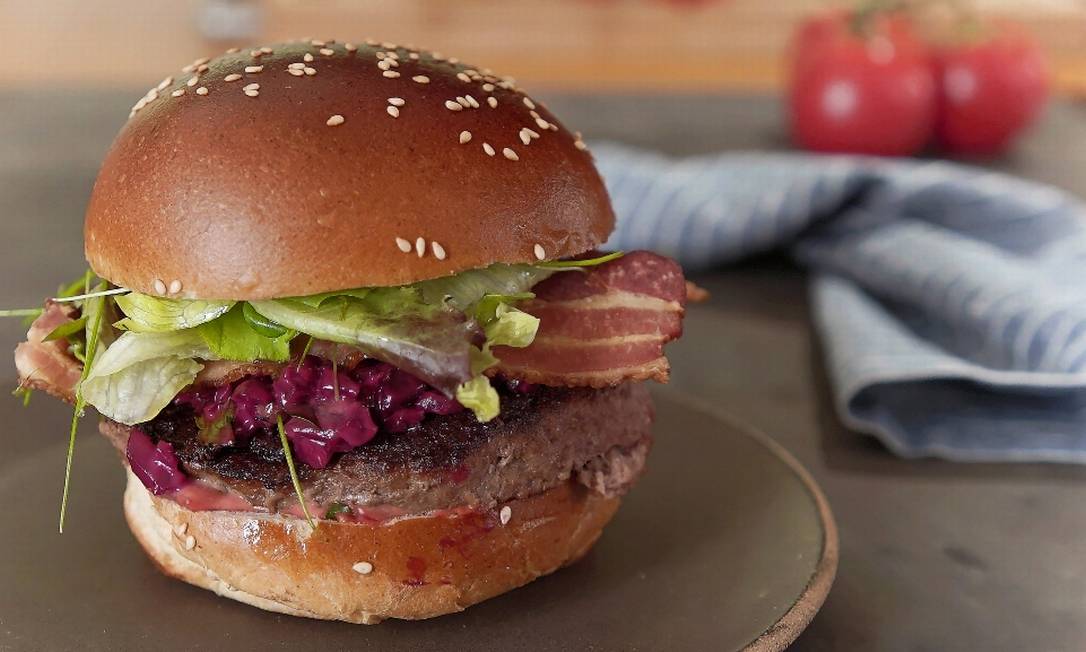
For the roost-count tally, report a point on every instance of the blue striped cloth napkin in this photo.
(951, 301)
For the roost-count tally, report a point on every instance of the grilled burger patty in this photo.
(600, 437)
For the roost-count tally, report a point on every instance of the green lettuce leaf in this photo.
(232, 337)
(480, 397)
(140, 373)
(508, 326)
(463, 290)
(148, 314)
(67, 330)
(396, 325)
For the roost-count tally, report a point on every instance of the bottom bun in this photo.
(418, 567)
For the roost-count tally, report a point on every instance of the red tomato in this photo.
(872, 93)
(990, 91)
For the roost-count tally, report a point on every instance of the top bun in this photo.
(309, 167)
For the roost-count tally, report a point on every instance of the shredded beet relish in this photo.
(326, 410)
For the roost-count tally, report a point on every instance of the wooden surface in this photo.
(934, 556)
(640, 45)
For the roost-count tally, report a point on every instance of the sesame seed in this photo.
(414, 56)
(327, 51)
(178, 93)
(232, 77)
(528, 103)
(535, 115)
(203, 67)
(506, 513)
(371, 41)
(296, 72)
(492, 101)
(540, 254)
(192, 81)
(422, 79)
(394, 56)
(396, 101)
(190, 542)
(252, 87)
(201, 61)
(439, 251)
(453, 60)
(164, 83)
(252, 92)
(463, 101)
(160, 287)
(552, 127)
(462, 77)
(524, 138)
(188, 68)
(420, 247)
(510, 154)
(391, 74)
(307, 57)
(309, 71)
(579, 144)
(436, 56)
(543, 124)
(181, 528)
(403, 245)
(266, 50)
(453, 106)
(488, 87)
(488, 149)
(472, 101)
(530, 132)
(389, 46)
(317, 43)
(393, 111)
(253, 69)
(297, 65)
(465, 136)
(363, 568)
(380, 54)
(202, 90)
(233, 50)
(337, 119)
(384, 64)
(350, 47)
(255, 53)
(175, 286)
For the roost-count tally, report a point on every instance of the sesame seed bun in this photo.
(363, 573)
(315, 166)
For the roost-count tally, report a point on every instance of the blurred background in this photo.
(591, 45)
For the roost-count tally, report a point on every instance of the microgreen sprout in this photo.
(293, 472)
(92, 295)
(577, 264)
(93, 335)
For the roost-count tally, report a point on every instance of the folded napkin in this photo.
(951, 301)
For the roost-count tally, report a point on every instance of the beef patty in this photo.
(599, 437)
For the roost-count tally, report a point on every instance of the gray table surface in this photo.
(934, 556)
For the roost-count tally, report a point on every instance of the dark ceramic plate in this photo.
(725, 544)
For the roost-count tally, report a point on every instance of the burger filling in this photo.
(230, 405)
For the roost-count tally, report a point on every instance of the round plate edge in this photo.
(789, 626)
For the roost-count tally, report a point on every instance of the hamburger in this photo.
(348, 325)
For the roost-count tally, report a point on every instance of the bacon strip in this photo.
(604, 326)
(47, 365)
